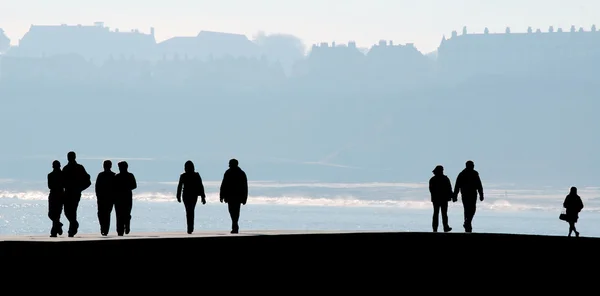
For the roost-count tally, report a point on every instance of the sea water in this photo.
(507, 208)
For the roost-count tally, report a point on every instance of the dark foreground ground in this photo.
(277, 262)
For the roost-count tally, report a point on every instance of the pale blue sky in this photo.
(422, 22)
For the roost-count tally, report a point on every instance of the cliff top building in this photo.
(492, 53)
(92, 42)
(4, 42)
(208, 43)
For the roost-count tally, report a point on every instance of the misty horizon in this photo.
(364, 47)
(518, 101)
(365, 22)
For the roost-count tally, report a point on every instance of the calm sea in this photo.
(311, 206)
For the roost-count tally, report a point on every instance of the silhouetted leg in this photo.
(127, 214)
(101, 215)
(572, 228)
(55, 207)
(234, 212)
(119, 214)
(104, 210)
(108, 213)
(469, 205)
(436, 216)
(70, 206)
(444, 209)
(190, 207)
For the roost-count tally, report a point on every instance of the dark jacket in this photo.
(56, 182)
(573, 203)
(76, 177)
(105, 184)
(190, 184)
(234, 187)
(440, 188)
(125, 183)
(468, 183)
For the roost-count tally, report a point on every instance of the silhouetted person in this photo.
(76, 180)
(234, 191)
(125, 183)
(440, 189)
(190, 187)
(469, 184)
(55, 198)
(105, 187)
(573, 205)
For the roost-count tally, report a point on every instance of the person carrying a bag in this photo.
(573, 205)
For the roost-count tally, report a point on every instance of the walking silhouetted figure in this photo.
(440, 189)
(234, 191)
(105, 187)
(55, 198)
(76, 181)
(125, 183)
(190, 187)
(573, 205)
(468, 184)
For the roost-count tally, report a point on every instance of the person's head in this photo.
(107, 164)
(470, 165)
(56, 165)
(123, 166)
(189, 167)
(233, 163)
(438, 170)
(573, 190)
(71, 156)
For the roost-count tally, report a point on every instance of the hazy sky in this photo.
(422, 22)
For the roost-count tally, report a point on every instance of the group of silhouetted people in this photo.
(233, 191)
(112, 190)
(116, 190)
(65, 187)
(469, 185)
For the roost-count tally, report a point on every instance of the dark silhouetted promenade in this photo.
(270, 261)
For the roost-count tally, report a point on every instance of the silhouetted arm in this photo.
(84, 173)
(458, 184)
(98, 184)
(85, 177)
(566, 202)
(244, 188)
(49, 182)
(133, 182)
(201, 187)
(223, 189)
(179, 187)
(580, 204)
(449, 186)
(479, 185)
(431, 188)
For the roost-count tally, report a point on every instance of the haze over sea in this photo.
(508, 208)
(337, 121)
